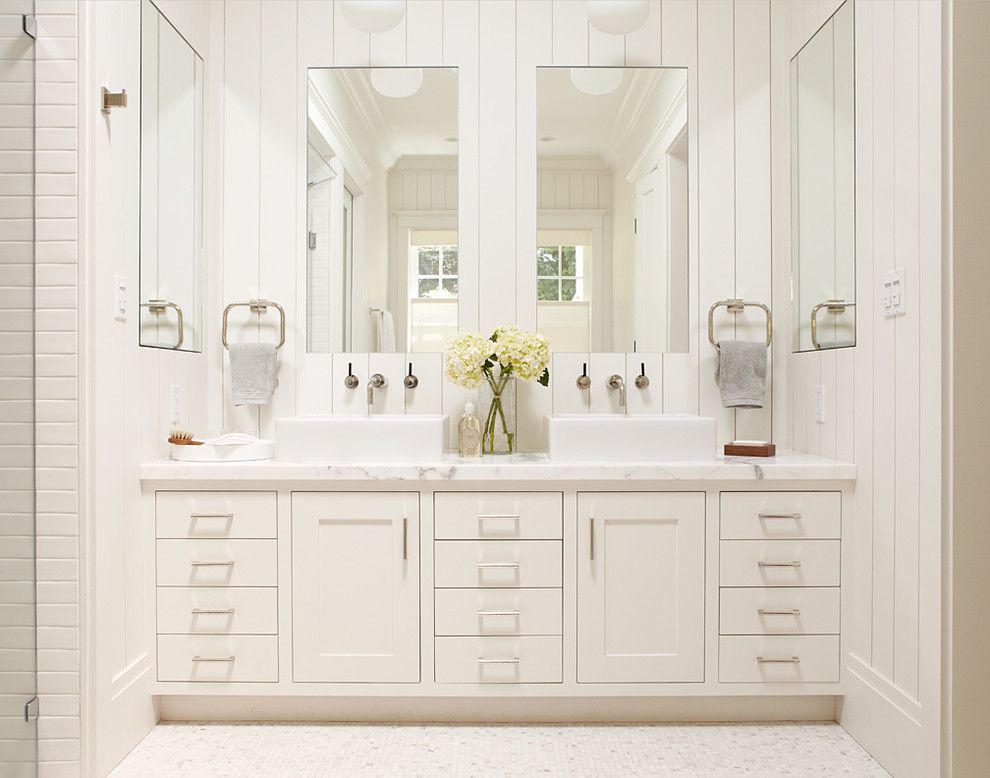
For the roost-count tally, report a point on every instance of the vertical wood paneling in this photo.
(753, 275)
(497, 140)
(241, 201)
(907, 340)
(389, 48)
(351, 47)
(605, 49)
(643, 45)
(716, 183)
(424, 32)
(570, 33)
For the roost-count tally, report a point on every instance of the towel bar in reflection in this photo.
(259, 307)
(833, 306)
(159, 307)
(737, 305)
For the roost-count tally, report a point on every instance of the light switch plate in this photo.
(120, 298)
(892, 295)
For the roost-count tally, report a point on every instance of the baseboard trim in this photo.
(488, 710)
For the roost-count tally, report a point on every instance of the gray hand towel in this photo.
(252, 373)
(741, 373)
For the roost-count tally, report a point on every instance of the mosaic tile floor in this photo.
(190, 750)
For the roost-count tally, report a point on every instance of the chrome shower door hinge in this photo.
(31, 709)
(31, 25)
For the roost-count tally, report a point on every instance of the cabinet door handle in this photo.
(794, 516)
(212, 611)
(514, 614)
(780, 612)
(405, 538)
(795, 563)
(495, 565)
(591, 538)
(487, 516)
(225, 516)
(483, 661)
(778, 660)
(213, 658)
(228, 563)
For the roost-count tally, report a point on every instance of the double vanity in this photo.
(520, 575)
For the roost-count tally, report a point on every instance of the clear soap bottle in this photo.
(469, 433)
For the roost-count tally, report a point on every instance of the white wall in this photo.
(882, 398)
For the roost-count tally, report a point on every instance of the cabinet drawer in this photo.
(780, 515)
(779, 563)
(495, 515)
(778, 611)
(511, 563)
(498, 612)
(216, 514)
(218, 658)
(499, 660)
(217, 562)
(778, 659)
(217, 610)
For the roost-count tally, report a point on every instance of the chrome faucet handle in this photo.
(377, 381)
(642, 380)
(583, 380)
(410, 381)
(351, 381)
(615, 381)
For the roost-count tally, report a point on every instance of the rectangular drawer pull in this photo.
(778, 660)
(483, 661)
(213, 658)
(494, 516)
(228, 563)
(212, 611)
(496, 565)
(795, 563)
(405, 538)
(225, 516)
(591, 538)
(795, 516)
(514, 614)
(783, 612)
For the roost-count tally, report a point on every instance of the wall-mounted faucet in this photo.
(377, 381)
(642, 380)
(615, 381)
(351, 381)
(583, 381)
(410, 381)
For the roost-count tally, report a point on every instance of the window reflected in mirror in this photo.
(381, 243)
(612, 225)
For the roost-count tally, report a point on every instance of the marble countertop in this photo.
(786, 466)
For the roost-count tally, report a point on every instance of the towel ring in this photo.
(833, 306)
(259, 307)
(158, 307)
(736, 305)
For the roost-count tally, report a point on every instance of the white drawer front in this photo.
(499, 660)
(498, 612)
(778, 659)
(780, 515)
(495, 515)
(216, 514)
(217, 610)
(217, 562)
(511, 563)
(779, 563)
(218, 658)
(778, 611)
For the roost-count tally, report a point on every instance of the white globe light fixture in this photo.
(618, 17)
(397, 82)
(373, 15)
(596, 81)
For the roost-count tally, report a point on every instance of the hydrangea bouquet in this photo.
(474, 361)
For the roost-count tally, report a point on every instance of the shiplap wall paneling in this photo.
(751, 84)
(679, 48)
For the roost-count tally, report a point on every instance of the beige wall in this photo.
(970, 376)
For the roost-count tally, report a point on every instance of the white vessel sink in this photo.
(594, 437)
(368, 439)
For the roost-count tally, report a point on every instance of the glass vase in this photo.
(497, 401)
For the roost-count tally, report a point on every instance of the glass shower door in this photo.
(18, 705)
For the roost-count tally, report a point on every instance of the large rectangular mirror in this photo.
(171, 314)
(612, 262)
(381, 195)
(823, 188)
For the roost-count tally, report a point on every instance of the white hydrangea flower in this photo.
(466, 357)
(526, 353)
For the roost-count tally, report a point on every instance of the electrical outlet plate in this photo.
(820, 404)
(120, 298)
(892, 293)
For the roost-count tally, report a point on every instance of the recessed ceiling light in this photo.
(548, 138)
(451, 139)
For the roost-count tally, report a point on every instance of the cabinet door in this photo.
(355, 587)
(641, 587)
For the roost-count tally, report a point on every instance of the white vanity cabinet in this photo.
(640, 587)
(355, 587)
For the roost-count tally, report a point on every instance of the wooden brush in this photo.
(180, 438)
